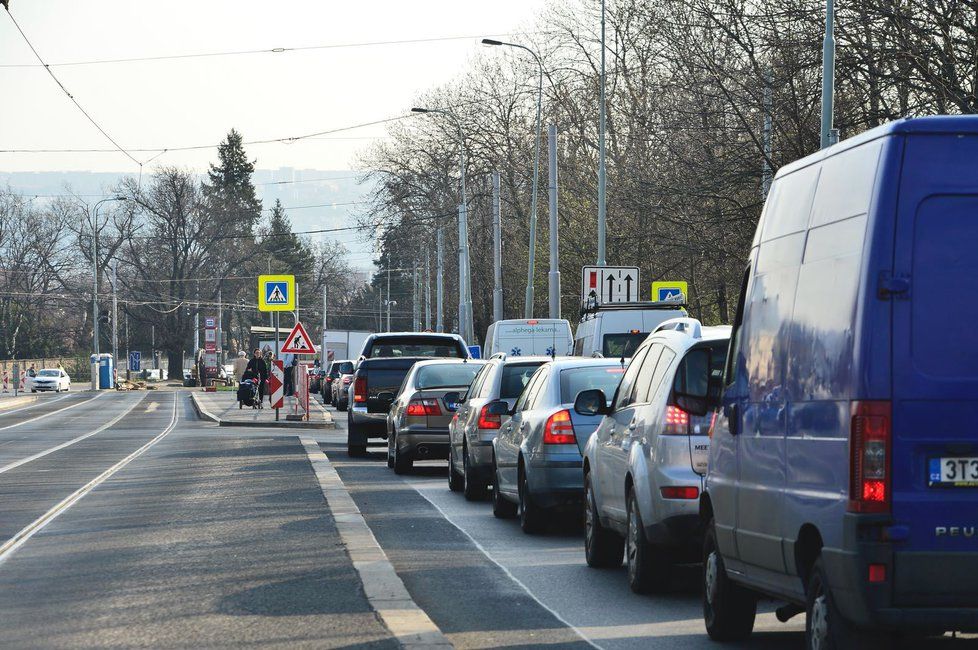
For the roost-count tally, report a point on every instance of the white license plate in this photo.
(958, 471)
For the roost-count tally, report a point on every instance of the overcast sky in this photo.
(194, 101)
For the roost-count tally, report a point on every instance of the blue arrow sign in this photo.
(135, 361)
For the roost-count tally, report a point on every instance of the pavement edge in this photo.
(202, 413)
(384, 589)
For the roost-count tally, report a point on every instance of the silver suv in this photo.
(473, 428)
(645, 464)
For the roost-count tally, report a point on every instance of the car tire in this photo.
(402, 462)
(33, 390)
(501, 508)
(390, 455)
(602, 548)
(532, 517)
(728, 608)
(649, 566)
(341, 408)
(473, 489)
(455, 482)
(825, 626)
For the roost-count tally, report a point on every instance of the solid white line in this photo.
(508, 573)
(18, 540)
(42, 454)
(37, 402)
(41, 417)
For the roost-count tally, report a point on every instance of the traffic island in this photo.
(221, 407)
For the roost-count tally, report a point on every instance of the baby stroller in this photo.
(248, 392)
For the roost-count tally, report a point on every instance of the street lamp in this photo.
(466, 328)
(95, 347)
(528, 307)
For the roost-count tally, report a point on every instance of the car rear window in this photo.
(345, 368)
(515, 378)
(574, 380)
(415, 346)
(449, 375)
(615, 346)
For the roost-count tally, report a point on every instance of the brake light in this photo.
(559, 430)
(869, 459)
(360, 390)
(877, 573)
(677, 421)
(488, 421)
(680, 492)
(423, 407)
(532, 322)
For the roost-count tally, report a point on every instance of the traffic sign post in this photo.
(601, 285)
(276, 293)
(298, 341)
(670, 291)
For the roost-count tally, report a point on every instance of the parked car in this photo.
(330, 379)
(417, 424)
(472, 430)
(843, 463)
(54, 379)
(537, 454)
(414, 344)
(526, 337)
(615, 330)
(644, 466)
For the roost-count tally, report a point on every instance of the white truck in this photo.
(342, 344)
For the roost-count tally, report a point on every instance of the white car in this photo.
(54, 379)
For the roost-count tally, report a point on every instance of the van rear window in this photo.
(615, 346)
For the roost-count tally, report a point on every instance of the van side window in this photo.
(625, 394)
(730, 372)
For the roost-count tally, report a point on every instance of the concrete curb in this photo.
(201, 412)
(387, 594)
(14, 402)
(204, 414)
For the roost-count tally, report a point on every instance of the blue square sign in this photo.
(135, 361)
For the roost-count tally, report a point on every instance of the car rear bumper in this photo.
(423, 444)
(556, 481)
(365, 425)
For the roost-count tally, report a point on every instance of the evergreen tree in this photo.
(287, 251)
(229, 192)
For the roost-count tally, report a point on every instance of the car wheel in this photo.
(825, 626)
(472, 488)
(602, 548)
(531, 516)
(501, 508)
(390, 453)
(728, 608)
(402, 462)
(353, 450)
(649, 567)
(455, 482)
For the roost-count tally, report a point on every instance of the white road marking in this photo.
(18, 540)
(34, 405)
(61, 410)
(41, 454)
(152, 407)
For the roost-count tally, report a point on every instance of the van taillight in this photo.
(870, 443)
(360, 389)
(559, 430)
(677, 421)
(487, 420)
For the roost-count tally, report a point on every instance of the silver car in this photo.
(538, 452)
(645, 464)
(473, 428)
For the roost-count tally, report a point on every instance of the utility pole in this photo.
(197, 324)
(602, 172)
(497, 251)
(127, 346)
(766, 171)
(440, 283)
(415, 304)
(554, 245)
(115, 319)
(427, 289)
(828, 76)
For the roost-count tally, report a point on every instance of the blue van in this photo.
(843, 471)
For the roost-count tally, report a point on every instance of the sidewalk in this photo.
(222, 407)
(8, 401)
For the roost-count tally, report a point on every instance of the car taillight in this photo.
(559, 430)
(489, 421)
(869, 459)
(423, 407)
(680, 492)
(360, 390)
(677, 421)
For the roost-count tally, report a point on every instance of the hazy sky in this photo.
(193, 101)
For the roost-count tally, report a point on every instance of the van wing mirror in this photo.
(591, 402)
(497, 407)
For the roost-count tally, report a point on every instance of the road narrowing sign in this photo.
(276, 293)
(669, 291)
(601, 285)
(298, 341)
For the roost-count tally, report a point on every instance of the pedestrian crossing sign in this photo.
(276, 293)
(670, 291)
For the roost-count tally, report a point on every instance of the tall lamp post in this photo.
(828, 135)
(95, 346)
(528, 310)
(465, 328)
(602, 171)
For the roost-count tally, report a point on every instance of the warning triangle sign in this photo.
(298, 341)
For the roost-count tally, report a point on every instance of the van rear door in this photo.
(934, 290)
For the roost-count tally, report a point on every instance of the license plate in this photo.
(451, 406)
(960, 471)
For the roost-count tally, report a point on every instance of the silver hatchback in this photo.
(645, 464)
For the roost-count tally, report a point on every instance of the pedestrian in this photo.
(240, 365)
(288, 387)
(258, 367)
(32, 371)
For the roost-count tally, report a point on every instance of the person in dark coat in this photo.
(259, 368)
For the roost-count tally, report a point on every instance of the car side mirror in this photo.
(693, 404)
(497, 407)
(591, 402)
(386, 396)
